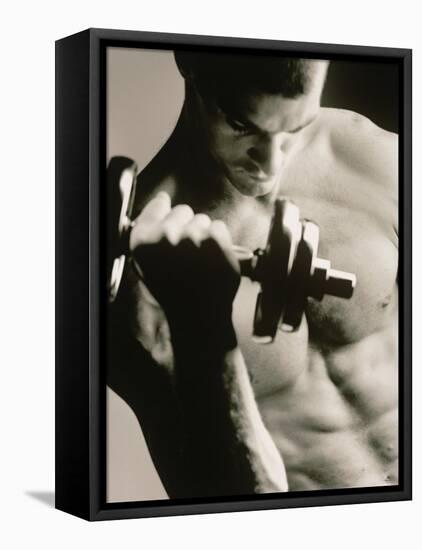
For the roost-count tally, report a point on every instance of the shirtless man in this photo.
(223, 415)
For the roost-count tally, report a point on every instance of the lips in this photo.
(261, 179)
(256, 176)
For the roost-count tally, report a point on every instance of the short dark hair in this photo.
(224, 76)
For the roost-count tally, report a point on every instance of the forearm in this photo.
(148, 390)
(199, 418)
(226, 447)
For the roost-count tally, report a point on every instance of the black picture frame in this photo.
(80, 277)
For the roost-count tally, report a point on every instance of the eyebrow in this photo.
(249, 124)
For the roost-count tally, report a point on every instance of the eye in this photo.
(237, 126)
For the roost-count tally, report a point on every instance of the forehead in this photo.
(274, 113)
(276, 110)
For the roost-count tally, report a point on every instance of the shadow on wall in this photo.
(45, 497)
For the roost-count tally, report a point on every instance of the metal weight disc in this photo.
(273, 270)
(297, 288)
(120, 194)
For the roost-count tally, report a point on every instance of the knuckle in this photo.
(169, 232)
(218, 229)
(183, 210)
(218, 225)
(202, 220)
(141, 233)
(194, 234)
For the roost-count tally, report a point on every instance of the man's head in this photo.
(251, 110)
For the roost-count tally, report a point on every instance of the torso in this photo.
(328, 392)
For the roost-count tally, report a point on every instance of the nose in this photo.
(267, 154)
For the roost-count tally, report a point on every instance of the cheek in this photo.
(226, 147)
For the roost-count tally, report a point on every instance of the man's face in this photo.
(252, 144)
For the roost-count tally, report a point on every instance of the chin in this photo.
(252, 187)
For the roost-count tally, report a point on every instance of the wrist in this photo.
(203, 333)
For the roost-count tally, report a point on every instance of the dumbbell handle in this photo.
(248, 260)
(340, 283)
(334, 282)
(324, 280)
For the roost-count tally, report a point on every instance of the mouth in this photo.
(255, 176)
(260, 179)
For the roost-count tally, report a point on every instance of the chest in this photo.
(358, 239)
(354, 238)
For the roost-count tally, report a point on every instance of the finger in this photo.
(175, 222)
(155, 210)
(145, 225)
(218, 230)
(220, 233)
(197, 229)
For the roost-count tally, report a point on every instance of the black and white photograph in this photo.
(253, 293)
(210, 275)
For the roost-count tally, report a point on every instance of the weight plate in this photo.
(120, 194)
(297, 288)
(274, 268)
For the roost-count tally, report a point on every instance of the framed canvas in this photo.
(233, 276)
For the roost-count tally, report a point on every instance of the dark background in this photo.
(370, 89)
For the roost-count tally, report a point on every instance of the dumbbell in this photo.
(288, 269)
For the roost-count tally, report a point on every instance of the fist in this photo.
(187, 263)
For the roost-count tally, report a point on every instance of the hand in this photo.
(186, 261)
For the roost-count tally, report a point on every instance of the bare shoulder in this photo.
(363, 146)
(157, 176)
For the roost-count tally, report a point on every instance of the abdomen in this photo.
(337, 433)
